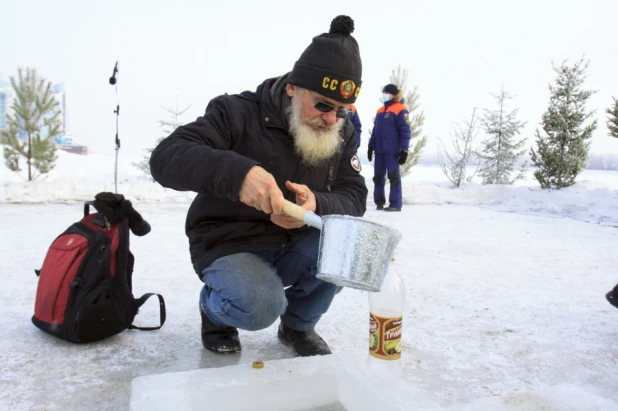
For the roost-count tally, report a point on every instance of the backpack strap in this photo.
(102, 219)
(87, 205)
(140, 301)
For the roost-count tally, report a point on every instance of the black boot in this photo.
(303, 343)
(389, 208)
(220, 340)
(612, 296)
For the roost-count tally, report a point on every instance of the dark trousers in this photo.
(387, 165)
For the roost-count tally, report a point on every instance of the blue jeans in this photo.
(246, 290)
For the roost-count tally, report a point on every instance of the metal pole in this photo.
(117, 111)
(113, 81)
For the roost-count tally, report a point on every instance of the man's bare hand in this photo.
(304, 198)
(260, 191)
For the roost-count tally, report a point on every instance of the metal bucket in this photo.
(355, 252)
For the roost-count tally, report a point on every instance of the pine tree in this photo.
(34, 110)
(168, 127)
(501, 151)
(563, 147)
(612, 120)
(462, 139)
(399, 77)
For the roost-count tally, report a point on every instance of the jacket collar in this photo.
(390, 103)
(273, 101)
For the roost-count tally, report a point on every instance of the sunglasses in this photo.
(327, 108)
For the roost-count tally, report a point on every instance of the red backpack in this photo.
(84, 292)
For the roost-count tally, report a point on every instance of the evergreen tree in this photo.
(34, 110)
(612, 120)
(168, 127)
(462, 138)
(399, 77)
(501, 151)
(563, 147)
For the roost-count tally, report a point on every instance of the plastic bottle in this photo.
(385, 326)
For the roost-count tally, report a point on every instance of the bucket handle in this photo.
(299, 213)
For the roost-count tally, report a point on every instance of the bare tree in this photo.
(168, 127)
(462, 139)
(399, 77)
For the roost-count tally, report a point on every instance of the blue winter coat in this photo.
(391, 131)
(357, 125)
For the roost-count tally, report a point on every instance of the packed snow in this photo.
(505, 293)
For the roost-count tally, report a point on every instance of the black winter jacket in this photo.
(212, 156)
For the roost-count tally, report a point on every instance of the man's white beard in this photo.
(312, 146)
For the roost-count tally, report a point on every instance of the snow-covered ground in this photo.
(505, 293)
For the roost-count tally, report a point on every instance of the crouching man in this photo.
(290, 139)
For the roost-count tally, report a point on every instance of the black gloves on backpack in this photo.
(109, 204)
(403, 156)
(114, 208)
(137, 224)
(370, 154)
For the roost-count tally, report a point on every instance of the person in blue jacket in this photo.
(356, 123)
(390, 139)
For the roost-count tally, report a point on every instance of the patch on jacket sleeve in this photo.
(355, 163)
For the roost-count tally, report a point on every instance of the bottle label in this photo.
(385, 337)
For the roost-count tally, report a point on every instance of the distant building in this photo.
(63, 141)
(6, 99)
(58, 94)
(60, 97)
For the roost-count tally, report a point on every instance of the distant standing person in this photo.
(390, 139)
(356, 123)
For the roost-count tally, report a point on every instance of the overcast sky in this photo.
(457, 52)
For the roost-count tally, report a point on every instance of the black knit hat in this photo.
(331, 65)
(391, 89)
